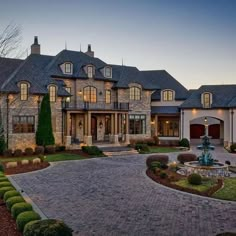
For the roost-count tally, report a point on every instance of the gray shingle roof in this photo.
(223, 96)
(165, 110)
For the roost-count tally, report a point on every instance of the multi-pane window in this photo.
(23, 91)
(108, 96)
(168, 95)
(90, 71)
(68, 68)
(68, 89)
(168, 127)
(135, 93)
(52, 93)
(90, 94)
(206, 100)
(108, 72)
(23, 124)
(137, 124)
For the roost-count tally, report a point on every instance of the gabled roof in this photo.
(223, 96)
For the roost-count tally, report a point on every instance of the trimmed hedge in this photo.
(186, 157)
(47, 227)
(3, 179)
(195, 179)
(7, 153)
(163, 159)
(39, 150)
(19, 208)
(5, 184)
(3, 190)
(13, 200)
(18, 153)
(50, 149)
(24, 218)
(29, 151)
(9, 194)
(233, 147)
(92, 150)
(142, 148)
(184, 143)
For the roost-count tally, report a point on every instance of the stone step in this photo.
(121, 153)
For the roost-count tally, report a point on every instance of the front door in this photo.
(94, 128)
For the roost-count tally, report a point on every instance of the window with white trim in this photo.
(90, 71)
(68, 68)
(52, 93)
(168, 95)
(24, 91)
(108, 72)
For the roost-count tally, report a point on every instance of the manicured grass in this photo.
(162, 149)
(50, 158)
(228, 192)
(206, 184)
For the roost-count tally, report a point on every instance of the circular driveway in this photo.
(113, 196)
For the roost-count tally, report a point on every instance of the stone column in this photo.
(127, 128)
(68, 128)
(116, 137)
(156, 125)
(89, 137)
(112, 128)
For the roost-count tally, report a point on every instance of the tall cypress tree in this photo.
(44, 134)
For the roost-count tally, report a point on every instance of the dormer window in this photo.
(168, 95)
(206, 100)
(90, 71)
(24, 91)
(52, 93)
(108, 72)
(68, 68)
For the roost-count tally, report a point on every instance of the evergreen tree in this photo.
(44, 134)
(2, 138)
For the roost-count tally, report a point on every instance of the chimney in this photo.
(35, 47)
(90, 52)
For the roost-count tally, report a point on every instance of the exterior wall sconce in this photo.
(80, 92)
(100, 93)
(80, 124)
(100, 124)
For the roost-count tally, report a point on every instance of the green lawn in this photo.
(206, 184)
(50, 158)
(228, 192)
(162, 149)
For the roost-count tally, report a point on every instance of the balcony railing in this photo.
(80, 105)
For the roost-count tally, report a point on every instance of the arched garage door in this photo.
(196, 130)
(214, 131)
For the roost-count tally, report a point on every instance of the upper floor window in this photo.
(135, 93)
(90, 71)
(52, 93)
(108, 72)
(24, 91)
(206, 100)
(168, 95)
(68, 89)
(90, 94)
(108, 96)
(68, 68)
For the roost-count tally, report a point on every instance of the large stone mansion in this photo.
(94, 101)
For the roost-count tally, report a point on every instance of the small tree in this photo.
(44, 134)
(2, 138)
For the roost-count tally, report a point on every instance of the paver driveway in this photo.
(112, 196)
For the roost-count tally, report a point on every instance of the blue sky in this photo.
(194, 40)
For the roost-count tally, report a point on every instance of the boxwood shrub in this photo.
(18, 153)
(142, 148)
(29, 151)
(195, 179)
(13, 200)
(3, 190)
(233, 147)
(184, 143)
(186, 157)
(50, 149)
(5, 184)
(9, 194)
(39, 150)
(92, 150)
(47, 227)
(3, 179)
(19, 208)
(163, 159)
(24, 218)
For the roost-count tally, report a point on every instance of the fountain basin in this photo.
(215, 170)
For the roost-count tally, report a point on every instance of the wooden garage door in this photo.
(214, 131)
(196, 131)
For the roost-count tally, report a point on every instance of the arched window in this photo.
(168, 95)
(206, 100)
(52, 93)
(135, 93)
(90, 94)
(24, 91)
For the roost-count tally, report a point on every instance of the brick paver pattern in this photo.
(113, 196)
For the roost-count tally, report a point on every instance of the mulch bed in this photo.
(7, 223)
(175, 177)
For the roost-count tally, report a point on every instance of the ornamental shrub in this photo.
(154, 165)
(60, 148)
(195, 179)
(92, 150)
(160, 158)
(18, 153)
(39, 150)
(44, 134)
(7, 153)
(50, 149)
(163, 175)
(9, 194)
(48, 227)
(142, 148)
(5, 184)
(186, 157)
(13, 200)
(3, 190)
(19, 208)
(29, 151)
(24, 218)
(3, 179)
(233, 147)
(1, 168)
(184, 143)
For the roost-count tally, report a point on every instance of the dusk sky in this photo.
(195, 41)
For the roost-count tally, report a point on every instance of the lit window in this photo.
(68, 89)
(68, 68)
(23, 91)
(52, 93)
(108, 72)
(135, 93)
(90, 94)
(23, 124)
(90, 71)
(137, 124)
(168, 95)
(108, 96)
(206, 100)
(168, 127)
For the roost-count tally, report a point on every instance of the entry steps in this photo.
(118, 151)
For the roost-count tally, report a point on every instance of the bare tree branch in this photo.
(10, 39)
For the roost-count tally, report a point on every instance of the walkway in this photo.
(112, 196)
